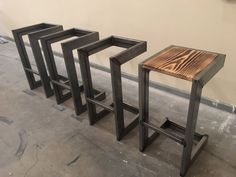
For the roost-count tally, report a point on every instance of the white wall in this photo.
(203, 24)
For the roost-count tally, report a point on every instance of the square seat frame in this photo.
(133, 49)
(185, 136)
(71, 83)
(34, 32)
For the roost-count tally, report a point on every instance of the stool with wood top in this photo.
(189, 64)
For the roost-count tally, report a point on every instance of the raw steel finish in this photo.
(203, 66)
(71, 83)
(34, 32)
(134, 48)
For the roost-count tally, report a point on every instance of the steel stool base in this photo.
(134, 48)
(62, 83)
(177, 133)
(34, 32)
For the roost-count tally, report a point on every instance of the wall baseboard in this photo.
(204, 100)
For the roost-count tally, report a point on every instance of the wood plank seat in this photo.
(181, 62)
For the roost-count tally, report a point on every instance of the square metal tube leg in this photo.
(195, 98)
(88, 86)
(144, 107)
(55, 77)
(117, 98)
(74, 84)
(25, 61)
(76, 89)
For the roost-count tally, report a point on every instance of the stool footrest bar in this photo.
(132, 125)
(60, 77)
(171, 126)
(130, 108)
(164, 132)
(32, 71)
(109, 108)
(177, 132)
(65, 97)
(199, 147)
(99, 96)
(61, 84)
(66, 82)
(102, 114)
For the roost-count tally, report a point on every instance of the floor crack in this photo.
(35, 163)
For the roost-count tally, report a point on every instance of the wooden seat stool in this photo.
(133, 49)
(189, 64)
(71, 84)
(34, 32)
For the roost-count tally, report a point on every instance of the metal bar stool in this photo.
(34, 32)
(134, 48)
(60, 82)
(189, 64)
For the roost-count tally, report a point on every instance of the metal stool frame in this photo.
(134, 48)
(169, 128)
(60, 82)
(34, 32)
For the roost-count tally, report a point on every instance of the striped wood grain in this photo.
(180, 62)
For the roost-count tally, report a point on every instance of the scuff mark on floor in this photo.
(6, 120)
(59, 107)
(23, 143)
(226, 125)
(74, 160)
(79, 118)
(220, 158)
(125, 161)
(36, 160)
(29, 92)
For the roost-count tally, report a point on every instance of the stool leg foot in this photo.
(143, 106)
(195, 98)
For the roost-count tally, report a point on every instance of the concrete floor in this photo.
(40, 139)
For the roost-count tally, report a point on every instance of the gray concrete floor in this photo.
(39, 139)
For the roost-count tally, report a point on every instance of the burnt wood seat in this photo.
(181, 62)
(194, 65)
